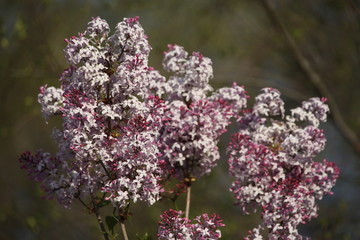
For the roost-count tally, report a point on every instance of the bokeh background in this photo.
(246, 45)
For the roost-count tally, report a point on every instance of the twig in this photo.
(101, 224)
(84, 204)
(123, 214)
(106, 171)
(314, 77)
(354, 7)
(98, 218)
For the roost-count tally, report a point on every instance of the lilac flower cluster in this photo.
(174, 227)
(271, 159)
(109, 138)
(194, 122)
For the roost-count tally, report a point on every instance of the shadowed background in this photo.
(246, 45)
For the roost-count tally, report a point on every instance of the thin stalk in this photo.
(188, 198)
(84, 204)
(106, 171)
(123, 229)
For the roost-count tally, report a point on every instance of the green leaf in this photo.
(111, 222)
(103, 203)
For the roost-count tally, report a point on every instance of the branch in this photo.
(101, 224)
(98, 217)
(354, 8)
(123, 215)
(313, 76)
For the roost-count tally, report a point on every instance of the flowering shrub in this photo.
(128, 131)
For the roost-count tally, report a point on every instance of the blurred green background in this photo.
(245, 48)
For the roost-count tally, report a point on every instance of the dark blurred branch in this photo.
(313, 76)
(354, 7)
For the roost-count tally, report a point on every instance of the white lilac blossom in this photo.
(135, 167)
(206, 227)
(194, 121)
(109, 137)
(269, 103)
(51, 100)
(189, 138)
(312, 111)
(272, 161)
(190, 75)
(235, 95)
(174, 227)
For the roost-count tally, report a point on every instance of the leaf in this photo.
(111, 222)
(103, 203)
